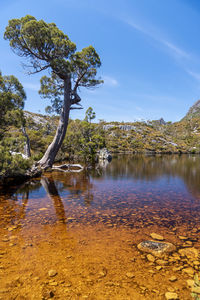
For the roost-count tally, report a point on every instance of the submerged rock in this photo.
(52, 273)
(156, 248)
(189, 252)
(171, 296)
(156, 236)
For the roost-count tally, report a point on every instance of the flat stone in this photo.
(189, 243)
(54, 283)
(189, 252)
(156, 236)
(150, 257)
(183, 238)
(190, 282)
(173, 278)
(171, 289)
(130, 275)
(162, 262)
(171, 296)
(102, 273)
(52, 273)
(5, 240)
(188, 271)
(156, 248)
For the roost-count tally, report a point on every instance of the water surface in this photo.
(87, 225)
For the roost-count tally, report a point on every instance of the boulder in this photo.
(156, 248)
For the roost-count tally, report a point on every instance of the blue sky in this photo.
(150, 53)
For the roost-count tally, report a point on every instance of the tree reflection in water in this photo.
(128, 189)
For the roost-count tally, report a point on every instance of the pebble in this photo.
(162, 262)
(150, 258)
(190, 282)
(189, 243)
(189, 252)
(158, 268)
(171, 289)
(53, 283)
(188, 271)
(52, 273)
(156, 236)
(5, 240)
(102, 273)
(173, 278)
(130, 275)
(171, 296)
(109, 283)
(183, 238)
(177, 268)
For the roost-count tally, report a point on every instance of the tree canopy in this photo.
(45, 46)
(12, 97)
(90, 115)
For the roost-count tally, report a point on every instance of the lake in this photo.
(75, 235)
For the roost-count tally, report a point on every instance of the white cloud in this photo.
(194, 74)
(174, 49)
(31, 86)
(110, 81)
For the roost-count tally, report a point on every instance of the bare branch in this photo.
(67, 168)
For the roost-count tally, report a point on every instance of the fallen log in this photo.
(68, 168)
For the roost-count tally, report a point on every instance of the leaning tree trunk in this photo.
(50, 154)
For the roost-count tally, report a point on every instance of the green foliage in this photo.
(12, 165)
(89, 115)
(12, 97)
(82, 142)
(196, 285)
(46, 46)
(43, 44)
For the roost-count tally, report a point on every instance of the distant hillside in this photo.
(156, 136)
(194, 111)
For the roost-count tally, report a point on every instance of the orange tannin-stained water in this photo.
(75, 236)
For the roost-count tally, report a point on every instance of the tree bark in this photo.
(27, 147)
(50, 154)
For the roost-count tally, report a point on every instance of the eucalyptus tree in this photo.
(45, 46)
(89, 115)
(12, 97)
